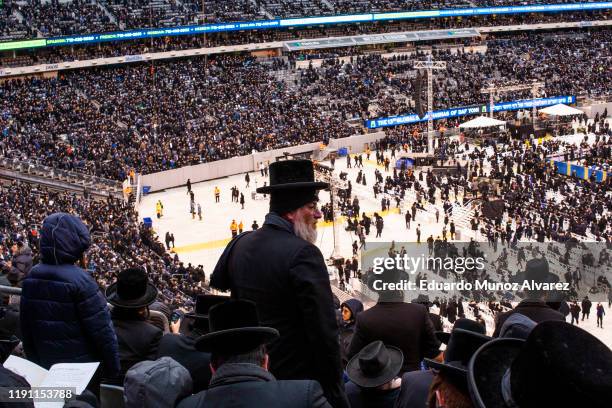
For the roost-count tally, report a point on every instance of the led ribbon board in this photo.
(357, 40)
(298, 22)
(468, 110)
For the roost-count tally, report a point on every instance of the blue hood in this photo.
(355, 307)
(63, 239)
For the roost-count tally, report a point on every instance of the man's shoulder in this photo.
(384, 308)
(293, 392)
(143, 328)
(537, 312)
(193, 401)
(177, 341)
(262, 237)
(62, 274)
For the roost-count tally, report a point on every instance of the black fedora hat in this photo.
(234, 328)
(460, 348)
(559, 365)
(292, 175)
(131, 290)
(463, 324)
(536, 270)
(202, 306)
(375, 365)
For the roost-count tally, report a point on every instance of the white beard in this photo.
(307, 232)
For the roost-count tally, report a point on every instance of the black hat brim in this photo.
(487, 368)
(396, 359)
(145, 300)
(456, 372)
(200, 321)
(547, 278)
(237, 340)
(313, 185)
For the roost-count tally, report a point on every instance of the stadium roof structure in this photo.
(482, 122)
(561, 110)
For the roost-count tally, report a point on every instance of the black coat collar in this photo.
(229, 374)
(279, 222)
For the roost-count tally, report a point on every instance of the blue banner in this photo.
(297, 22)
(468, 110)
(582, 172)
(163, 32)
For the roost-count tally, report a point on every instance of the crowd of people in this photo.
(282, 323)
(54, 18)
(154, 117)
(372, 86)
(157, 118)
(15, 27)
(99, 286)
(118, 239)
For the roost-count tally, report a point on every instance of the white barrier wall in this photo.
(594, 109)
(317, 62)
(237, 165)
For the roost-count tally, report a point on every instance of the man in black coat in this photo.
(415, 389)
(138, 339)
(181, 347)
(436, 320)
(534, 306)
(586, 307)
(451, 310)
(406, 326)
(284, 273)
(239, 361)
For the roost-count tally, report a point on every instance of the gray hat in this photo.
(517, 326)
(161, 383)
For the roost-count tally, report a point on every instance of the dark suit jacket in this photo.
(9, 322)
(403, 325)
(138, 341)
(370, 398)
(536, 310)
(287, 278)
(250, 386)
(10, 380)
(436, 320)
(181, 348)
(414, 390)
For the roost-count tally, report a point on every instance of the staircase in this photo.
(263, 9)
(287, 76)
(329, 5)
(463, 215)
(106, 11)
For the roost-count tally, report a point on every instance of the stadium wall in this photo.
(317, 62)
(596, 108)
(236, 165)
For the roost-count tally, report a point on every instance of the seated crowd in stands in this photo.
(118, 239)
(67, 17)
(222, 353)
(169, 13)
(156, 117)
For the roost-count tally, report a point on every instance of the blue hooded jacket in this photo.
(64, 316)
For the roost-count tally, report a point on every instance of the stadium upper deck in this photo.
(40, 18)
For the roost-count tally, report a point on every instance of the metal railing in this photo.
(9, 290)
(36, 168)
